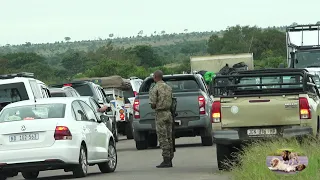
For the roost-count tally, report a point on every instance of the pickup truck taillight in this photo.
(304, 108)
(216, 112)
(202, 105)
(136, 104)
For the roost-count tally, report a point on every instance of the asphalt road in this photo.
(192, 161)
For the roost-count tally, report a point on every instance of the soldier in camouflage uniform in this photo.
(161, 100)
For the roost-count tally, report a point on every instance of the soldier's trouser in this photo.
(164, 133)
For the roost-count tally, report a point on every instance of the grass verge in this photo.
(252, 160)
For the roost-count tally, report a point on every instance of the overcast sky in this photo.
(41, 21)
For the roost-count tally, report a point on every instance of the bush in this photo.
(252, 159)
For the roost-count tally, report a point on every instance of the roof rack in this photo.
(21, 74)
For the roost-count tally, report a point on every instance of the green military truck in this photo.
(262, 104)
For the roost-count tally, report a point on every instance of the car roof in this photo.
(52, 100)
(62, 89)
(177, 76)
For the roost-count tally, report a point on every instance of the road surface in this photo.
(192, 162)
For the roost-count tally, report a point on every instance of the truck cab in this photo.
(303, 46)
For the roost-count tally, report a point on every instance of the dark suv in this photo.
(65, 91)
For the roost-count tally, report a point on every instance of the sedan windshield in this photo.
(31, 112)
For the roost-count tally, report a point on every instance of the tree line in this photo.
(110, 58)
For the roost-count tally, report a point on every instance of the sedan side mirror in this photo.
(104, 118)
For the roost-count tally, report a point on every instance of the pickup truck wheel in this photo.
(207, 141)
(140, 145)
(129, 131)
(30, 174)
(152, 140)
(223, 154)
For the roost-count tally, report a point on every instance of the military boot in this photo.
(171, 165)
(166, 163)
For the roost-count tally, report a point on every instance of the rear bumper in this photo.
(38, 158)
(12, 170)
(186, 125)
(228, 137)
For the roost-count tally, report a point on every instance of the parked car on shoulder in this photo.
(65, 91)
(54, 133)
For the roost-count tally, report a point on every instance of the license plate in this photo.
(24, 137)
(255, 132)
(177, 122)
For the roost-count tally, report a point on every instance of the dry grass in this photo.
(252, 160)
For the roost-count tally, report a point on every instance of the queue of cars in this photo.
(233, 109)
(57, 127)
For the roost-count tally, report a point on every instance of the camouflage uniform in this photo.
(161, 96)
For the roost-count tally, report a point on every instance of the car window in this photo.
(12, 92)
(83, 89)
(75, 93)
(44, 93)
(104, 96)
(30, 112)
(58, 94)
(128, 94)
(98, 93)
(35, 89)
(110, 97)
(94, 104)
(78, 112)
(90, 114)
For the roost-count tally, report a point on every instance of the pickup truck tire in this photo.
(140, 145)
(152, 140)
(223, 154)
(206, 140)
(129, 131)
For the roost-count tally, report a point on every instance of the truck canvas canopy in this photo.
(262, 82)
(109, 82)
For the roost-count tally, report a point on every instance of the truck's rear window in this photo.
(83, 89)
(177, 84)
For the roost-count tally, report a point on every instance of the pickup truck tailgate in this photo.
(260, 111)
(187, 106)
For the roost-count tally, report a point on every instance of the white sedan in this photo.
(53, 133)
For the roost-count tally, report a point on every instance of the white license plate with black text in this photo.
(177, 122)
(256, 132)
(24, 137)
